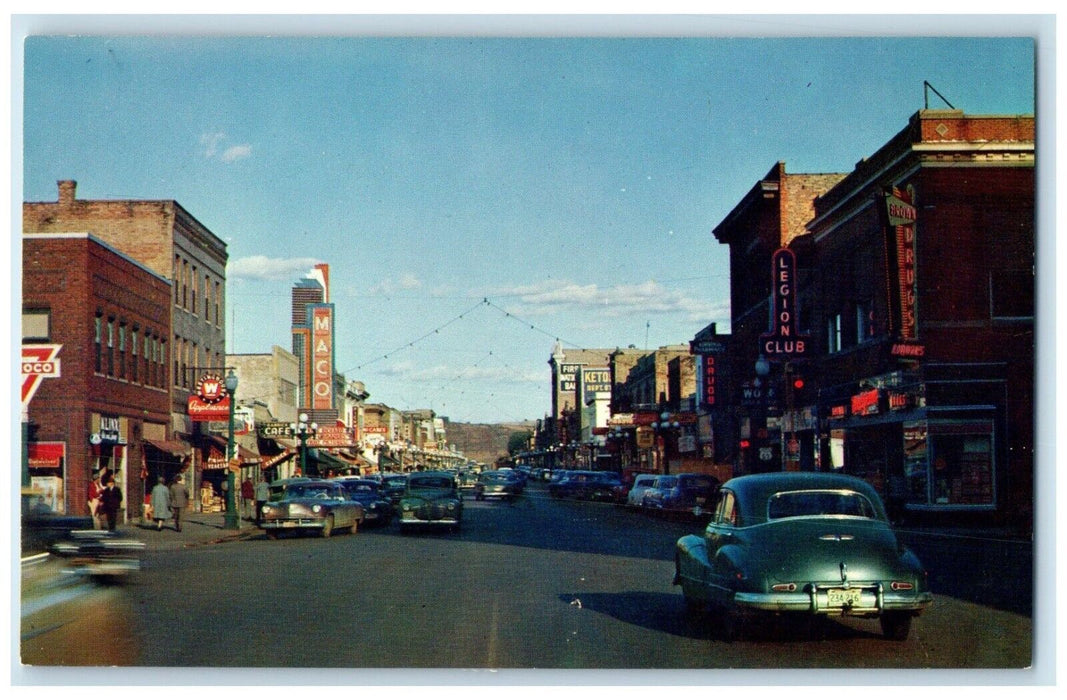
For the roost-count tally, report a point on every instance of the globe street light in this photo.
(303, 431)
(232, 522)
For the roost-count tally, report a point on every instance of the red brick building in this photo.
(167, 240)
(111, 316)
(912, 285)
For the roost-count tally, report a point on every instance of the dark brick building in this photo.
(111, 316)
(913, 287)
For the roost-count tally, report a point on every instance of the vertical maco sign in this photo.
(784, 341)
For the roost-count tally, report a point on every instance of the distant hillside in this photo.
(484, 442)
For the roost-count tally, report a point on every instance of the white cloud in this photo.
(405, 282)
(261, 267)
(236, 153)
(618, 301)
(212, 142)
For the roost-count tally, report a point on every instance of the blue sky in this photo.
(571, 182)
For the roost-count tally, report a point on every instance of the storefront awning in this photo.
(172, 447)
(47, 455)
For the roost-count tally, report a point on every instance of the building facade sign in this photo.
(322, 356)
(900, 218)
(38, 363)
(784, 341)
(596, 380)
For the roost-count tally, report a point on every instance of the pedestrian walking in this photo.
(110, 502)
(248, 495)
(160, 502)
(179, 501)
(262, 494)
(96, 487)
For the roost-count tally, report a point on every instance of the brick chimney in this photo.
(66, 192)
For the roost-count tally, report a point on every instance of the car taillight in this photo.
(784, 587)
(902, 586)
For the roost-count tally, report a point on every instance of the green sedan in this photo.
(814, 545)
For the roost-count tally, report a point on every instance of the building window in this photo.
(36, 325)
(161, 365)
(111, 347)
(185, 284)
(122, 351)
(1011, 294)
(177, 380)
(134, 360)
(98, 344)
(177, 279)
(194, 307)
(864, 322)
(218, 304)
(833, 334)
(207, 299)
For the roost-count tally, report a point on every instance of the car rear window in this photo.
(793, 504)
(311, 491)
(431, 483)
(697, 482)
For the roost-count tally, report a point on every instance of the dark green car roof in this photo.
(754, 491)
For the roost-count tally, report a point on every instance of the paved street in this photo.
(538, 584)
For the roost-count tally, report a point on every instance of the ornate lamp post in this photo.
(232, 522)
(304, 430)
(663, 428)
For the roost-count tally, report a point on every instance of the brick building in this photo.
(163, 237)
(912, 288)
(110, 407)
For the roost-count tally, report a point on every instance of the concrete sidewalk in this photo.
(197, 529)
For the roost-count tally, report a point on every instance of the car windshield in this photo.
(361, 488)
(396, 480)
(792, 504)
(496, 478)
(311, 491)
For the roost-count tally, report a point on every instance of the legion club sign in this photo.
(784, 341)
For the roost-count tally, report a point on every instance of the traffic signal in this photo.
(745, 444)
(798, 383)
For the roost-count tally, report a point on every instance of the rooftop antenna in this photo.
(927, 87)
(647, 324)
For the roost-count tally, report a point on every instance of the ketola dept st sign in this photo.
(784, 341)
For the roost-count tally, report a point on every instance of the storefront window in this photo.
(962, 463)
(915, 462)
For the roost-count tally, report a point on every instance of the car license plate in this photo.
(843, 597)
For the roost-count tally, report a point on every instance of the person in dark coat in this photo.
(110, 502)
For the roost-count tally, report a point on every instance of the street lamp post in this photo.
(664, 427)
(303, 431)
(232, 522)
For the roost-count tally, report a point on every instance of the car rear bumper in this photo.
(411, 520)
(873, 600)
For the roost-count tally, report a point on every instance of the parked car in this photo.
(654, 495)
(686, 494)
(586, 485)
(814, 544)
(393, 486)
(497, 484)
(314, 505)
(642, 483)
(276, 490)
(430, 498)
(377, 508)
